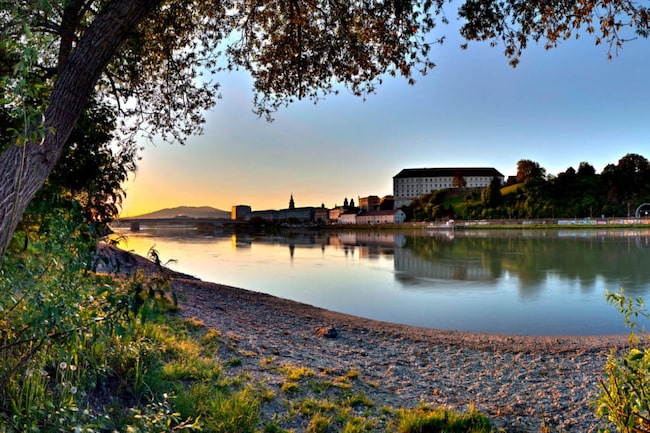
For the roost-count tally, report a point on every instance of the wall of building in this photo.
(410, 184)
(381, 217)
(240, 212)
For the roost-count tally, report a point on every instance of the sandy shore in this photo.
(520, 383)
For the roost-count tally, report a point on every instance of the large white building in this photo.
(411, 183)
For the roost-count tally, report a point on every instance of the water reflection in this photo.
(530, 282)
(535, 259)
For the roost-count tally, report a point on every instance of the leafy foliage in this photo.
(301, 49)
(87, 180)
(491, 196)
(91, 170)
(515, 23)
(429, 207)
(69, 335)
(624, 399)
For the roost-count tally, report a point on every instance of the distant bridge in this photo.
(202, 224)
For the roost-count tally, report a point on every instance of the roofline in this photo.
(435, 172)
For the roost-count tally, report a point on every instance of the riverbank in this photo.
(520, 383)
(507, 224)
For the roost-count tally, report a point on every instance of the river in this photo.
(533, 282)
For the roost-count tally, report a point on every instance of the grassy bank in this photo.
(202, 370)
(169, 374)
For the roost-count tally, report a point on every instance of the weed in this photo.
(423, 420)
(267, 363)
(295, 373)
(359, 399)
(624, 395)
(273, 427)
(318, 424)
(234, 362)
(352, 374)
(192, 369)
(234, 413)
(289, 387)
(358, 425)
(264, 394)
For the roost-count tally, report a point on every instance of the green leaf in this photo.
(635, 355)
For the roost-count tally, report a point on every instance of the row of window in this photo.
(418, 186)
(443, 179)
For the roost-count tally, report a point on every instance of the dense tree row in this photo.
(581, 193)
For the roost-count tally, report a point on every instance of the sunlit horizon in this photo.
(558, 108)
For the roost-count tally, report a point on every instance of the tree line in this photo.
(574, 193)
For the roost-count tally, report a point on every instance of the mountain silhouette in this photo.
(186, 211)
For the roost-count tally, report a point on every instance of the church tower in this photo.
(292, 205)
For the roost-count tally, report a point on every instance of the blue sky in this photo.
(558, 108)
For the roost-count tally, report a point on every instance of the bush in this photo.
(73, 351)
(624, 399)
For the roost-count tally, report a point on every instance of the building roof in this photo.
(448, 172)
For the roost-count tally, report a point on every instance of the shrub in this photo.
(72, 355)
(624, 399)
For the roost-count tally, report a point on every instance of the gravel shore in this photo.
(523, 384)
(520, 383)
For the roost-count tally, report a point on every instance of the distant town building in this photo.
(241, 212)
(301, 214)
(411, 183)
(369, 203)
(292, 213)
(322, 215)
(335, 213)
(393, 216)
(348, 217)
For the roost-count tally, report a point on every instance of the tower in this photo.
(292, 205)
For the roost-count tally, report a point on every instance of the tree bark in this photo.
(24, 169)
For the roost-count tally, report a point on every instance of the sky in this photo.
(558, 108)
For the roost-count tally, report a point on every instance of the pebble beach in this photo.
(521, 383)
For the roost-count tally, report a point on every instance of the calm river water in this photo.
(511, 282)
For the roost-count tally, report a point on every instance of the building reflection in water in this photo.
(532, 258)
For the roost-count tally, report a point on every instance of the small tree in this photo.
(528, 170)
(491, 196)
(459, 181)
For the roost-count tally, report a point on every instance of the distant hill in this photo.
(189, 211)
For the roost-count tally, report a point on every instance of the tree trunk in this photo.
(23, 170)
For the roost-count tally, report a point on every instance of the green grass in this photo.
(439, 420)
(324, 402)
(511, 189)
